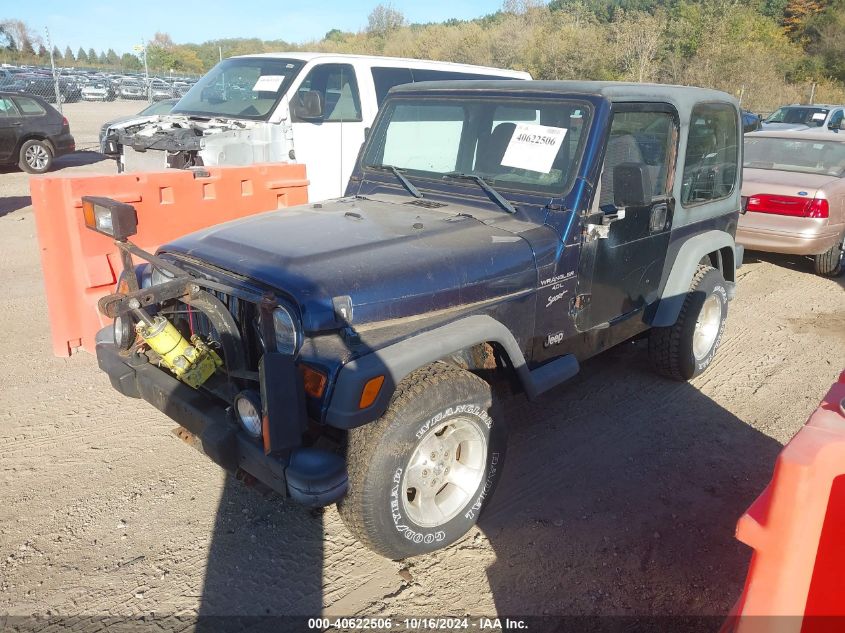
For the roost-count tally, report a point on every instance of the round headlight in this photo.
(248, 408)
(124, 331)
(159, 276)
(286, 334)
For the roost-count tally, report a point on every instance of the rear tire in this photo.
(35, 157)
(832, 262)
(684, 350)
(440, 428)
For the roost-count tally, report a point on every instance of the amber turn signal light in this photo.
(314, 381)
(370, 392)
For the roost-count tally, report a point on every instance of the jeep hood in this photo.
(394, 259)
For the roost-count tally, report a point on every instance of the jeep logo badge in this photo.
(553, 339)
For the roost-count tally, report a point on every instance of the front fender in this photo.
(396, 361)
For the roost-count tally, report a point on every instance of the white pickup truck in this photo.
(311, 108)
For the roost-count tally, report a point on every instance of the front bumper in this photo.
(310, 476)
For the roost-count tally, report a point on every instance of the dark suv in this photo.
(493, 233)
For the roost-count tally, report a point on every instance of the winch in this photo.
(191, 362)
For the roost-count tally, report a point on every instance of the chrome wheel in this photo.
(37, 157)
(707, 327)
(444, 472)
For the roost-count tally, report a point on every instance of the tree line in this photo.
(20, 44)
(767, 52)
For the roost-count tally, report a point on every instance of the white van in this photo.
(310, 108)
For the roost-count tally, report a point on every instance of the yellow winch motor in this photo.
(192, 362)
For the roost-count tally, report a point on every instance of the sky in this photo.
(121, 24)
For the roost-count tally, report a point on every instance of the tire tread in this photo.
(664, 343)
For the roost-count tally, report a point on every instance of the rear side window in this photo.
(710, 164)
(7, 108)
(385, 78)
(29, 106)
(424, 74)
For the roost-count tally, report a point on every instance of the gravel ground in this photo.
(620, 494)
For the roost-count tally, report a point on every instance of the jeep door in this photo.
(626, 237)
(328, 127)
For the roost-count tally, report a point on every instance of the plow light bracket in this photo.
(116, 219)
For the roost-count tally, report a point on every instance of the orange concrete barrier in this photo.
(80, 266)
(796, 579)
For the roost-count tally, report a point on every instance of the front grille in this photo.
(191, 321)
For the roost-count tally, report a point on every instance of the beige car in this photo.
(794, 191)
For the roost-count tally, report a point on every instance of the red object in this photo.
(797, 529)
(795, 206)
(80, 266)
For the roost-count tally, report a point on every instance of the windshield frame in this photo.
(289, 74)
(421, 178)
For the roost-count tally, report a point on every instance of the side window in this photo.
(424, 74)
(710, 164)
(385, 78)
(836, 119)
(7, 108)
(337, 89)
(645, 137)
(29, 106)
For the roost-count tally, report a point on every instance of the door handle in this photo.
(659, 216)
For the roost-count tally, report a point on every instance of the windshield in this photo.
(807, 156)
(522, 144)
(240, 88)
(813, 117)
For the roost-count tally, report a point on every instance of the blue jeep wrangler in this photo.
(494, 234)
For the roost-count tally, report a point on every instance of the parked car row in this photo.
(74, 85)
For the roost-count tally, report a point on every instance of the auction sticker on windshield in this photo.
(533, 147)
(819, 116)
(268, 83)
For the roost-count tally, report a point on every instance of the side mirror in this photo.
(307, 106)
(631, 185)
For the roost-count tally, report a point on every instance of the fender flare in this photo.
(683, 268)
(396, 361)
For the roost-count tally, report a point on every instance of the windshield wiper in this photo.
(507, 206)
(405, 182)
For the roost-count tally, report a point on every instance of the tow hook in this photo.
(191, 362)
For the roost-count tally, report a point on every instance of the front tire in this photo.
(832, 262)
(420, 474)
(684, 350)
(36, 157)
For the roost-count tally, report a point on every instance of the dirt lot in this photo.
(620, 494)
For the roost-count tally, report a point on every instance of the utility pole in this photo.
(220, 52)
(147, 74)
(53, 70)
(813, 93)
